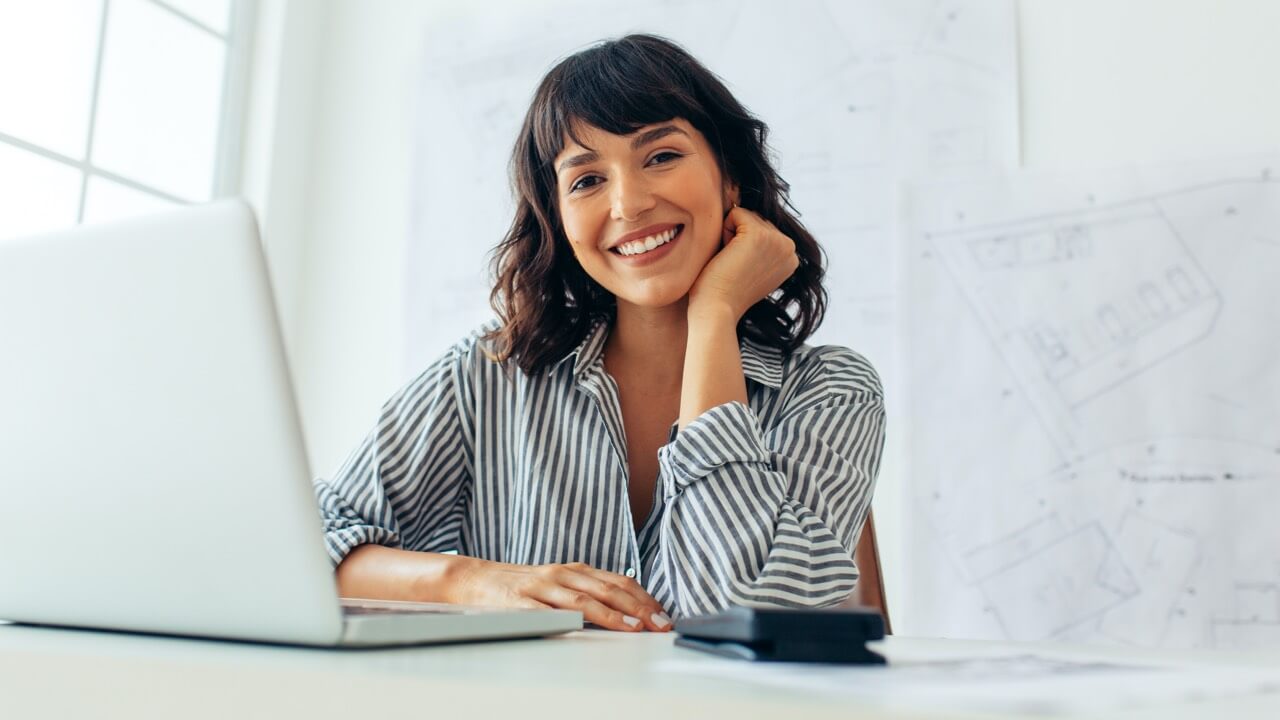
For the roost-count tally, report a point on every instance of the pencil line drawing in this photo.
(1094, 435)
(1080, 307)
(1076, 578)
(1256, 620)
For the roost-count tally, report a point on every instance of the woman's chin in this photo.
(655, 298)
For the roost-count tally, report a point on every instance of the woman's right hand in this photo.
(612, 601)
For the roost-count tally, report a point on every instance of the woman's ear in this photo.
(731, 194)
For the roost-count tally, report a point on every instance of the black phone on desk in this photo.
(786, 635)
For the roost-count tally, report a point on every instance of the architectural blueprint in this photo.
(858, 95)
(1095, 406)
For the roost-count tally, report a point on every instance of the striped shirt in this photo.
(758, 504)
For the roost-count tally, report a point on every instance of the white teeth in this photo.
(639, 247)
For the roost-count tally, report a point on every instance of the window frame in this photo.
(235, 88)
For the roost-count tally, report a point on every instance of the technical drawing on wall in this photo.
(1095, 406)
(1079, 305)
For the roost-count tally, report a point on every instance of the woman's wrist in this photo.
(712, 362)
(707, 311)
(441, 576)
(378, 572)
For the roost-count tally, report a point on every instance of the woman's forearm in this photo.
(383, 573)
(604, 598)
(712, 363)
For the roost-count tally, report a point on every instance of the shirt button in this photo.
(631, 572)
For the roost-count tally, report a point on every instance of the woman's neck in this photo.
(646, 347)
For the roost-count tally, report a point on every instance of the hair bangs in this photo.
(618, 91)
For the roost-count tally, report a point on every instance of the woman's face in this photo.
(659, 186)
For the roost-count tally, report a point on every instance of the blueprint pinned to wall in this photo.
(858, 95)
(1095, 406)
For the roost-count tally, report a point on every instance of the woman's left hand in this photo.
(754, 260)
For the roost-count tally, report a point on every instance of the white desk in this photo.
(70, 674)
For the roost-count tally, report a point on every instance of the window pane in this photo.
(213, 13)
(159, 101)
(36, 194)
(47, 51)
(109, 200)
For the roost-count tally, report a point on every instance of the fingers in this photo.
(772, 246)
(605, 599)
(620, 593)
(730, 227)
(739, 220)
(654, 616)
(593, 611)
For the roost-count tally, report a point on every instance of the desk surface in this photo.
(48, 672)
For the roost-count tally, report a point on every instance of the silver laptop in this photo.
(152, 470)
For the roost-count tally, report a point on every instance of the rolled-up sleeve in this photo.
(402, 485)
(769, 516)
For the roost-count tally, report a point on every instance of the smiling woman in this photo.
(664, 109)
(642, 432)
(621, 186)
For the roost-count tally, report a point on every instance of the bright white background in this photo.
(328, 148)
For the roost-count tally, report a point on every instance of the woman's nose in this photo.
(631, 197)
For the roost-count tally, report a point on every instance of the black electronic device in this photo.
(786, 635)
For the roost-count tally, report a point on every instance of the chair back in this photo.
(869, 592)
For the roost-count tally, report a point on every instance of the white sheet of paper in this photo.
(1013, 681)
(1095, 406)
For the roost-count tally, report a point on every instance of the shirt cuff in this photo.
(340, 542)
(728, 433)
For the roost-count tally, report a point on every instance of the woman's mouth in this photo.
(650, 249)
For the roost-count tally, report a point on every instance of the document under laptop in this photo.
(153, 476)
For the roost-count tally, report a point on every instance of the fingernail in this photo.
(660, 619)
(633, 622)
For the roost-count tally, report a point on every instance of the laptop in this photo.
(153, 476)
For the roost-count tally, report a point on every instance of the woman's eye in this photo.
(664, 154)
(579, 185)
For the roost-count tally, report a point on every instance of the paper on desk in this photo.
(1016, 684)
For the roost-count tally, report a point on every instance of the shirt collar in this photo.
(760, 362)
(590, 349)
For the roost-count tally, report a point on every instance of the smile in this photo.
(650, 248)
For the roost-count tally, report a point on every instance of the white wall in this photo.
(280, 118)
(1103, 82)
(1111, 82)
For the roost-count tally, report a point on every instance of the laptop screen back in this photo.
(152, 470)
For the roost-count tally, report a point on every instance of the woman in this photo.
(642, 433)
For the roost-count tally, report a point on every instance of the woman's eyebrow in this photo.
(640, 141)
(655, 135)
(585, 158)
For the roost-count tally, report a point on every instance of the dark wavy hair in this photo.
(544, 299)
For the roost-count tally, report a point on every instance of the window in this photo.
(111, 108)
